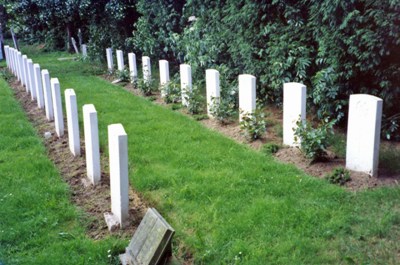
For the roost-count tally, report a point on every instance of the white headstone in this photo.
(212, 87)
(164, 74)
(26, 77)
(31, 74)
(119, 183)
(294, 108)
(120, 60)
(38, 85)
(146, 68)
(110, 63)
(132, 66)
(23, 70)
(71, 108)
(19, 66)
(48, 101)
(75, 46)
(186, 81)
(6, 47)
(363, 133)
(247, 95)
(84, 50)
(57, 106)
(91, 131)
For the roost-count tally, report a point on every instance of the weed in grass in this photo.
(176, 106)
(199, 117)
(339, 176)
(270, 148)
(389, 157)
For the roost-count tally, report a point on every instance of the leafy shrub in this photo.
(172, 92)
(253, 124)
(313, 141)
(6, 75)
(270, 148)
(195, 101)
(123, 75)
(146, 87)
(339, 176)
(223, 110)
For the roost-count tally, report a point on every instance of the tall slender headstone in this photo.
(57, 106)
(110, 62)
(213, 89)
(294, 108)
(363, 133)
(6, 50)
(132, 66)
(71, 108)
(19, 66)
(119, 183)
(146, 68)
(31, 74)
(14, 37)
(48, 101)
(91, 131)
(247, 95)
(164, 75)
(75, 46)
(84, 50)
(186, 82)
(120, 60)
(38, 85)
(26, 75)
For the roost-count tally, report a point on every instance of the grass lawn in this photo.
(228, 203)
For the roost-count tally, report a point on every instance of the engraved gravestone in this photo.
(151, 243)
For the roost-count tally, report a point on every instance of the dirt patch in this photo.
(359, 181)
(93, 200)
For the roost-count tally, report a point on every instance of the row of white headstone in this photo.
(46, 92)
(365, 111)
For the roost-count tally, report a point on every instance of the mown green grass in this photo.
(38, 224)
(228, 203)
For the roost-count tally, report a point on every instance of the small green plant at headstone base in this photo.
(147, 87)
(254, 124)
(222, 110)
(270, 148)
(171, 92)
(195, 101)
(123, 75)
(339, 176)
(314, 141)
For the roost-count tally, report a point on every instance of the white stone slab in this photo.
(91, 131)
(38, 85)
(120, 60)
(31, 74)
(84, 50)
(48, 100)
(363, 133)
(19, 67)
(75, 46)
(71, 108)
(186, 81)
(164, 74)
(146, 68)
(6, 52)
(57, 106)
(132, 66)
(119, 183)
(110, 63)
(294, 107)
(212, 87)
(24, 59)
(247, 95)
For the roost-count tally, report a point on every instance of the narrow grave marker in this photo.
(186, 82)
(132, 66)
(71, 108)
(38, 85)
(74, 44)
(23, 66)
(26, 76)
(213, 89)
(363, 133)
(110, 63)
(247, 95)
(146, 68)
(120, 60)
(48, 100)
(32, 87)
(294, 107)
(91, 132)
(57, 106)
(151, 243)
(164, 75)
(19, 67)
(84, 50)
(119, 183)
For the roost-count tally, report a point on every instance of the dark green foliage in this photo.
(147, 87)
(172, 92)
(270, 148)
(314, 141)
(123, 75)
(223, 110)
(195, 100)
(254, 124)
(339, 176)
